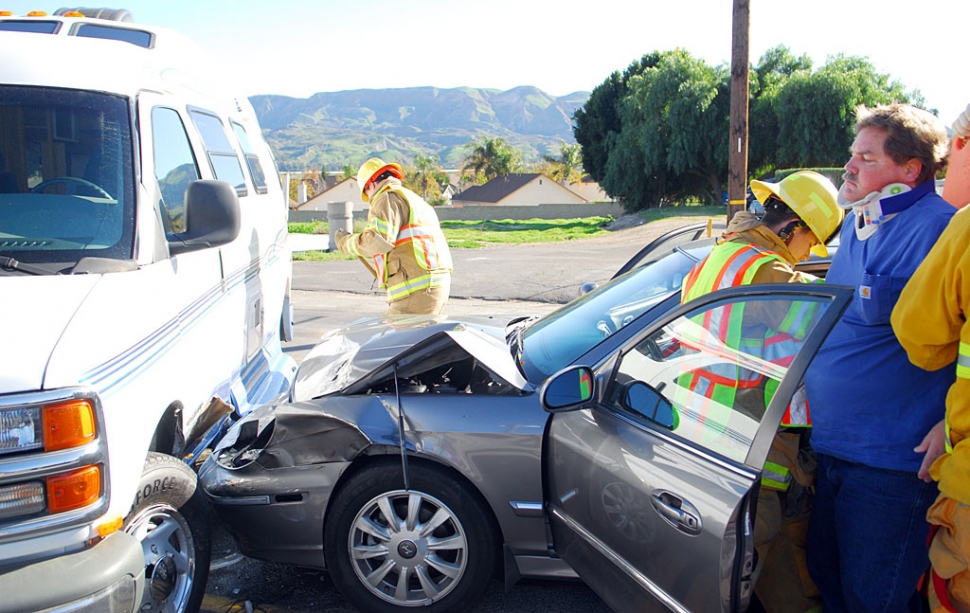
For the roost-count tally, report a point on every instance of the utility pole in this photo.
(738, 156)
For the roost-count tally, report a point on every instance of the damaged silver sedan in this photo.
(419, 457)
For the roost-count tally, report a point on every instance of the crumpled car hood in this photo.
(345, 356)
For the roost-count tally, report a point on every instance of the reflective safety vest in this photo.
(427, 241)
(731, 265)
(963, 372)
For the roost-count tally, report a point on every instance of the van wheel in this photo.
(170, 516)
(388, 548)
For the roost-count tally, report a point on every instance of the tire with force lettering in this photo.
(171, 518)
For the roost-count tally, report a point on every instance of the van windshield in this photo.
(66, 179)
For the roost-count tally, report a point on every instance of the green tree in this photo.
(673, 142)
(658, 133)
(567, 166)
(426, 178)
(816, 110)
(490, 158)
(598, 121)
(773, 70)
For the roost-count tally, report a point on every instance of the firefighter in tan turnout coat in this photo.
(402, 244)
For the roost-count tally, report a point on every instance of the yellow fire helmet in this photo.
(371, 169)
(812, 197)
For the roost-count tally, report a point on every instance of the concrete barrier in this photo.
(340, 216)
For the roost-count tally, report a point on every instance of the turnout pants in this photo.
(949, 588)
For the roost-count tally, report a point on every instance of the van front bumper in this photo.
(106, 578)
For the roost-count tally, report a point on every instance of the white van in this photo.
(144, 291)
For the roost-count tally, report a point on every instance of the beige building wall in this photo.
(542, 190)
(345, 191)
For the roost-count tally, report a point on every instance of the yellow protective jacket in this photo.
(402, 245)
(930, 321)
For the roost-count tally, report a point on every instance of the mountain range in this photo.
(331, 130)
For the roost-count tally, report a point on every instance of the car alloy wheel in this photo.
(430, 546)
(408, 547)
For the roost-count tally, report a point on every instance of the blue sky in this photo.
(300, 47)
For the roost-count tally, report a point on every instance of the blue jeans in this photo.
(867, 537)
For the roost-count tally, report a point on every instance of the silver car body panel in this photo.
(650, 518)
(278, 467)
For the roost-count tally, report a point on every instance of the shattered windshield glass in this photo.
(66, 179)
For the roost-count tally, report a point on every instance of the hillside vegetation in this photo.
(334, 129)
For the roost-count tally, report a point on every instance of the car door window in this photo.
(175, 166)
(718, 367)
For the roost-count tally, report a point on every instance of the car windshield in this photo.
(66, 182)
(555, 341)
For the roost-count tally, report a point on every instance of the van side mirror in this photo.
(212, 217)
(572, 388)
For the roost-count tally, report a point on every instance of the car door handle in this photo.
(677, 512)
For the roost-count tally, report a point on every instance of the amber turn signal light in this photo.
(73, 490)
(68, 424)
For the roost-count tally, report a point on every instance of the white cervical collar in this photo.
(868, 211)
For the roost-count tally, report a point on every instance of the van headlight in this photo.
(58, 483)
(21, 429)
(51, 427)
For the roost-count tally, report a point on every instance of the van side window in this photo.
(252, 160)
(175, 166)
(222, 156)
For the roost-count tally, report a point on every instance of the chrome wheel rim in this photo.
(408, 548)
(169, 549)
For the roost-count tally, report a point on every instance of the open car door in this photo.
(650, 480)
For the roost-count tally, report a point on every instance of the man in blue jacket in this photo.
(873, 411)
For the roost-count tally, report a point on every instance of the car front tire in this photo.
(170, 517)
(432, 546)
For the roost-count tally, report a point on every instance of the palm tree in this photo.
(426, 177)
(490, 158)
(567, 166)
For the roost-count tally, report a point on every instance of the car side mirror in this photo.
(646, 401)
(569, 389)
(587, 287)
(212, 217)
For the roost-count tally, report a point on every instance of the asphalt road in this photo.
(514, 279)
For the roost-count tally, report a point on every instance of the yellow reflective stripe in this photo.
(775, 485)
(410, 286)
(401, 290)
(776, 476)
(963, 361)
(382, 227)
(800, 316)
(821, 204)
(352, 245)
